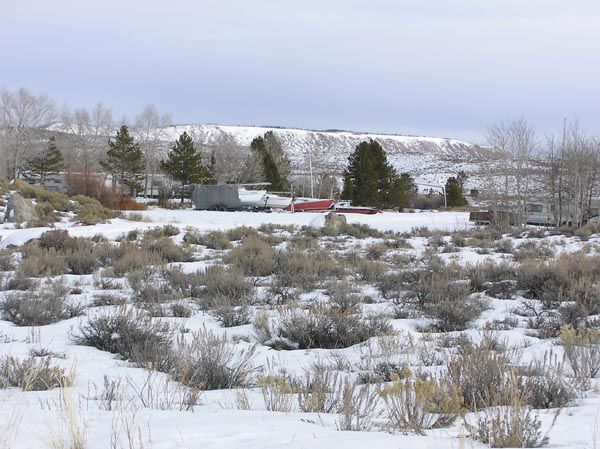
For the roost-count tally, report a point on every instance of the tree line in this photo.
(83, 139)
(77, 142)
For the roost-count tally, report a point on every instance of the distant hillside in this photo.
(428, 158)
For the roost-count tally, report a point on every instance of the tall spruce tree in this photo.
(49, 161)
(403, 191)
(369, 180)
(281, 160)
(273, 161)
(184, 163)
(125, 161)
(454, 191)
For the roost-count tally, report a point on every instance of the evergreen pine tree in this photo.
(47, 162)
(281, 161)
(404, 190)
(124, 160)
(454, 191)
(184, 163)
(212, 167)
(369, 180)
(264, 148)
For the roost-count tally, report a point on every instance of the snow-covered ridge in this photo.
(340, 142)
(245, 134)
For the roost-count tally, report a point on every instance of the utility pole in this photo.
(312, 193)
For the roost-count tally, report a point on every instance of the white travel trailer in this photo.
(545, 212)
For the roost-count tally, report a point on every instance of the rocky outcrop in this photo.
(334, 223)
(19, 210)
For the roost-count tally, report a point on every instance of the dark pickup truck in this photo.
(491, 217)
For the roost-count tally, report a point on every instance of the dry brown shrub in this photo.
(38, 308)
(39, 262)
(213, 240)
(210, 362)
(33, 374)
(228, 282)
(132, 258)
(324, 326)
(254, 257)
(131, 334)
(306, 271)
(478, 374)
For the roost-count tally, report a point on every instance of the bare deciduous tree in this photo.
(23, 116)
(149, 130)
(515, 142)
(572, 166)
(231, 163)
(85, 141)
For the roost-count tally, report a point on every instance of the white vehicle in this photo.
(546, 213)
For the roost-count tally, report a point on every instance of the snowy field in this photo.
(212, 221)
(114, 404)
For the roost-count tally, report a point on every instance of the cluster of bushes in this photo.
(305, 271)
(206, 362)
(436, 292)
(152, 293)
(90, 211)
(213, 240)
(94, 187)
(91, 204)
(39, 307)
(321, 326)
(56, 253)
(254, 257)
(582, 350)
(507, 396)
(415, 404)
(496, 279)
(573, 278)
(356, 230)
(478, 378)
(49, 204)
(133, 335)
(221, 290)
(33, 374)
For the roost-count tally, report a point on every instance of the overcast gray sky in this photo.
(426, 67)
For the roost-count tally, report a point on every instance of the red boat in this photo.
(310, 205)
(344, 207)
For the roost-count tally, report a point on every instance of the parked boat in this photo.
(345, 207)
(310, 205)
(251, 198)
(270, 200)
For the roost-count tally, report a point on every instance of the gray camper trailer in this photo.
(544, 212)
(540, 212)
(216, 197)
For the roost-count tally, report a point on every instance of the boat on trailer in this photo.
(250, 198)
(344, 207)
(270, 200)
(310, 205)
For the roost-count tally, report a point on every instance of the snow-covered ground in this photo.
(211, 221)
(43, 419)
